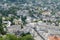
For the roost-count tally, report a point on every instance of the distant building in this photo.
(53, 24)
(8, 23)
(46, 13)
(14, 28)
(22, 12)
(17, 21)
(10, 15)
(28, 20)
(57, 14)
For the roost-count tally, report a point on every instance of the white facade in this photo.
(28, 20)
(8, 23)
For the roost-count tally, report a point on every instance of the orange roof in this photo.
(54, 38)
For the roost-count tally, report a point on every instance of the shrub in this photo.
(14, 37)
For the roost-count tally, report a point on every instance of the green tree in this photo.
(8, 37)
(26, 37)
(23, 19)
(14, 37)
(12, 10)
(2, 31)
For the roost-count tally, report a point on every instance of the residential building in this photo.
(8, 23)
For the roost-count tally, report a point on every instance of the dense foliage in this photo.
(1, 27)
(13, 37)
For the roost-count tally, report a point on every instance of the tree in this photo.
(26, 37)
(23, 18)
(8, 37)
(14, 37)
(1, 27)
(12, 10)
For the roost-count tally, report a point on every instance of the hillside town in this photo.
(29, 19)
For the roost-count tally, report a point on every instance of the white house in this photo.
(8, 23)
(28, 20)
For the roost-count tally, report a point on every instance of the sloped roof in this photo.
(54, 38)
(46, 13)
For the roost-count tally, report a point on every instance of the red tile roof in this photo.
(54, 38)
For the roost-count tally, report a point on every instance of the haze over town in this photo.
(29, 19)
